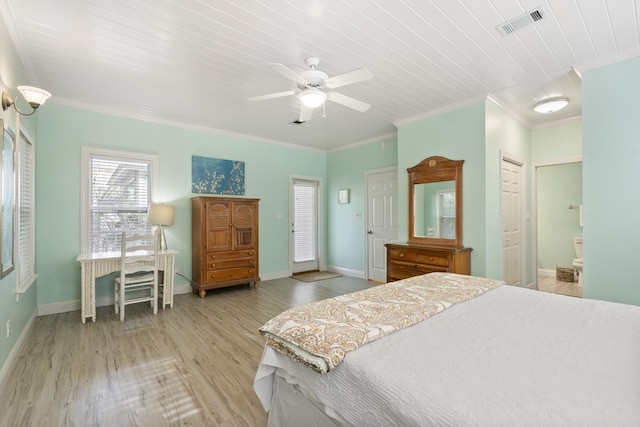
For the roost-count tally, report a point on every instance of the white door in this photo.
(382, 220)
(511, 222)
(304, 225)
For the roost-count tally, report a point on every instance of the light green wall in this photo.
(65, 130)
(346, 169)
(505, 137)
(558, 186)
(457, 135)
(19, 312)
(556, 143)
(611, 159)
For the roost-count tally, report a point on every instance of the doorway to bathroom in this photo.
(557, 210)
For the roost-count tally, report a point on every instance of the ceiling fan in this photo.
(315, 87)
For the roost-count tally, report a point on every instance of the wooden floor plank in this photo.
(190, 365)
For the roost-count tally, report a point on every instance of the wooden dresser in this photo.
(224, 233)
(406, 260)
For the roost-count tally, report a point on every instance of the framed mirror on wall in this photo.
(7, 184)
(435, 202)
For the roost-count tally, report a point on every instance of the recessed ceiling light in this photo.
(551, 105)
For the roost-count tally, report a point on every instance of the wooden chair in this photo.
(138, 279)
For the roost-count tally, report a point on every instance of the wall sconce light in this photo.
(551, 105)
(312, 97)
(33, 95)
(161, 215)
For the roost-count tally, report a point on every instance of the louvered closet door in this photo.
(304, 226)
(219, 226)
(243, 225)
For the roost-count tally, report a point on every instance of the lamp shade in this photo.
(34, 96)
(160, 215)
(312, 97)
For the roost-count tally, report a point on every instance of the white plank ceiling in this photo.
(193, 63)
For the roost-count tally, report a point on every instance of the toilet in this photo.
(577, 262)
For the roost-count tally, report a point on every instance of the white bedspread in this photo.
(509, 357)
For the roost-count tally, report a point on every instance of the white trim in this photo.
(104, 301)
(15, 351)
(546, 272)
(365, 142)
(86, 153)
(321, 261)
(534, 208)
(367, 175)
(570, 120)
(519, 161)
(24, 283)
(494, 99)
(274, 275)
(437, 111)
(174, 123)
(347, 272)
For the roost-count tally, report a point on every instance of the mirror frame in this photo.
(436, 169)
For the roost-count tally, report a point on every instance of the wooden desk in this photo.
(101, 264)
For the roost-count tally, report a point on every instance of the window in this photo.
(26, 265)
(116, 194)
(446, 212)
(305, 220)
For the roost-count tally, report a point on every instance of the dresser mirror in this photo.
(435, 202)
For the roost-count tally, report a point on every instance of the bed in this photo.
(502, 356)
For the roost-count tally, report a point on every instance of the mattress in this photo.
(510, 356)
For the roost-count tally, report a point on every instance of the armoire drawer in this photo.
(221, 264)
(230, 255)
(216, 276)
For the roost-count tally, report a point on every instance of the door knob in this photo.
(369, 232)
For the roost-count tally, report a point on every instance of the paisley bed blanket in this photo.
(321, 334)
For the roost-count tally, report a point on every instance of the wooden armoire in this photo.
(224, 233)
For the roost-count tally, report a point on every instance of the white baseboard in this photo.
(184, 288)
(60, 307)
(15, 351)
(275, 275)
(347, 272)
(545, 272)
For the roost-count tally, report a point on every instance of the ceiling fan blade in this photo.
(305, 113)
(279, 68)
(348, 101)
(271, 96)
(355, 76)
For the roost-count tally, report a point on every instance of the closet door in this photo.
(219, 226)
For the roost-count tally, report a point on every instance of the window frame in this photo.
(87, 153)
(24, 279)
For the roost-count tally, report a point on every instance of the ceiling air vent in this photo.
(521, 21)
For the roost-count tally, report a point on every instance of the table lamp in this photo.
(161, 215)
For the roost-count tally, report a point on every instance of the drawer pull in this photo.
(401, 255)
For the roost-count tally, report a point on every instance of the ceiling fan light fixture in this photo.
(551, 105)
(312, 97)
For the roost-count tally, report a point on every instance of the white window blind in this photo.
(119, 197)
(26, 210)
(305, 221)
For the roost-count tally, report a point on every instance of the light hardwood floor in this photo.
(190, 366)
(550, 284)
